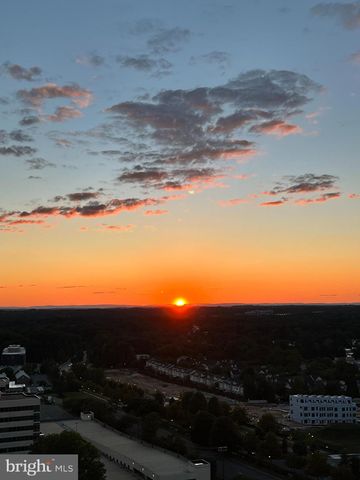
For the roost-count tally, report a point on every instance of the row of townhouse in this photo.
(196, 377)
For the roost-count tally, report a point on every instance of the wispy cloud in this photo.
(355, 58)
(233, 202)
(347, 14)
(150, 213)
(156, 66)
(91, 60)
(37, 95)
(17, 150)
(166, 40)
(21, 73)
(64, 113)
(39, 164)
(321, 199)
(276, 127)
(309, 182)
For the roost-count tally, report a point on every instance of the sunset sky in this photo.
(152, 149)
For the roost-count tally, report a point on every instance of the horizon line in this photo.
(189, 305)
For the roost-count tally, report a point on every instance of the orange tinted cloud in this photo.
(36, 96)
(156, 212)
(118, 228)
(276, 127)
(276, 203)
(323, 198)
(64, 113)
(232, 202)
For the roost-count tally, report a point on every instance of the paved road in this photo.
(233, 467)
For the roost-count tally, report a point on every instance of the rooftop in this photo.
(14, 349)
(158, 461)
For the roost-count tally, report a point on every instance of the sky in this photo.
(151, 149)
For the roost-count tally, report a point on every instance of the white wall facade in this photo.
(322, 409)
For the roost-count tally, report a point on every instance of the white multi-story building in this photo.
(19, 421)
(322, 409)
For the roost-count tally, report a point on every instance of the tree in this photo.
(268, 423)
(270, 446)
(284, 446)
(342, 472)
(214, 407)
(159, 398)
(90, 466)
(250, 442)
(149, 426)
(299, 448)
(240, 416)
(355, 466)
(223, 433)
(317, 465)
(197, 402)
(201, 427)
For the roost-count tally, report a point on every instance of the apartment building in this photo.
(322, 409)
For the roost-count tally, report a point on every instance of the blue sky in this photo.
(109, 108)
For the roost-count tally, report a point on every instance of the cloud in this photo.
(347, 14)
(39, 163)
(21, 73)
(26, 222)
(64, 113)
(188, 116)
(81, 196)
(92, 209)
(91, 60)
(29, 120)
(167, 40)
(235, 121)
(36, 96)
(355, 58)
(72, 286)
(17, 150)
(232, 202)
(173, 179)
(20, 136)
(275, 203)
(276, 127)
(204, 128)
(14, 135)
(222, 59)
(118, 228)
(144, 63)
(321, 199)
(307, 183)
(155, 212)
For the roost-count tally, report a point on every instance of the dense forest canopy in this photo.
(248, 334)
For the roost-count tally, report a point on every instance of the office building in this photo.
(19, 421)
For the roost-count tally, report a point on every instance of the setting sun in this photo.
(179, 302)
